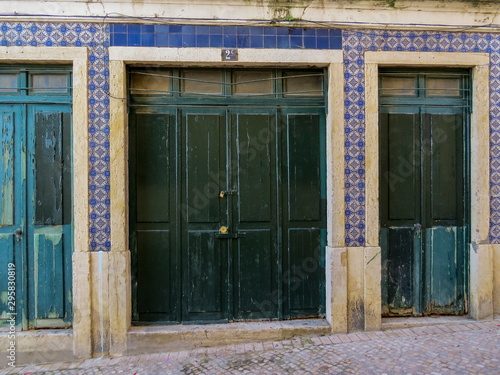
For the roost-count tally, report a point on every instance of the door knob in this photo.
(223, 229)
(18, 232)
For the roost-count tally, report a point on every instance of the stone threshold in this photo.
(39, 346)
(151, 339)
(389, 323)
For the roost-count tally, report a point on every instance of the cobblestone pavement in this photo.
(467, 348)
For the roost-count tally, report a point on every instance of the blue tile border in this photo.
(355, 43)
(95, 37)
(134, 35)
(98, 37)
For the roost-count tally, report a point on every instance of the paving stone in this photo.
(459, 351)
(326, 340)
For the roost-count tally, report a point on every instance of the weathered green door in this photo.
(226, 211)
(36, 209)
(423, 192)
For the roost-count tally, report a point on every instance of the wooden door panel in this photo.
(154, 224)
(400, 175)
(303, 196)
(444, 286)
(445, 229)
(202, 151)
(303, 159)
(49, 215)
(48, 274)
(7, 244)
(7, 169)
(153, 181)
(51, 169)
(7, 207)
(304, 277)
(233, 276)
(205, 275)
(256, 274)
(255, 152)
(254, 177)
(398, 268)
(446, 164)
(156, 287)
(12, 211)
(205, 258)
(422, 185)
(400, 168)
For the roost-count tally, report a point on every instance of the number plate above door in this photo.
(229, 54)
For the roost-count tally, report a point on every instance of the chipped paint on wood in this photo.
(7, 170)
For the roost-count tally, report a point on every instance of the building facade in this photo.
(191, 162)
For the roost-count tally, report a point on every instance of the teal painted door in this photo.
(227, 209)
(423, 205)
(12, 212)
(35, 230)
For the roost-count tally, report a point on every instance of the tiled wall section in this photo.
(355, 43)
(224, 36)
(96, 38)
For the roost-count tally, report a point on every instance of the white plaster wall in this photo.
(430, 13)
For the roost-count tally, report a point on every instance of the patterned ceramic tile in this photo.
(355, 43)
(96, 38)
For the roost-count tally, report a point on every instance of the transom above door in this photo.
(227, 206)
(424, 191)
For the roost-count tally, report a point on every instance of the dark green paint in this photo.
(424, 202)
(152, 183)
(270, 263)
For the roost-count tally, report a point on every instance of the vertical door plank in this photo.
(48, 166)
(443, 294)
(304, 199)
(446, 167)
(48, 275)
(303, 233)
(49, 231)
(205, 258)
(12, 210)
(254, 166)
(153, 224)
(154, 291)
(202, 167)
(400, 173)
(254, 177)
(304, 278)
(402, 167)
(7, 169)
(445, 233)
(152, 168)
(204, 272)
(400, 270)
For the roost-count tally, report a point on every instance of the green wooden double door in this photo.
(227, 212)
(424, 193)
(35, 215)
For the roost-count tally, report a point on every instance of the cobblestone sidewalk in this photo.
(469, 348)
